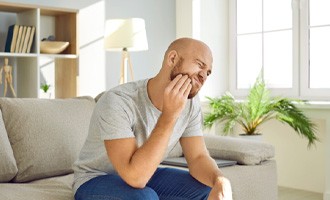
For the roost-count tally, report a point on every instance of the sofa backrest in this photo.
(46, 135)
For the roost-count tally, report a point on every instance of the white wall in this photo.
(92, 69)
(207, 20)
(184, 18)
(213, 31)
(297, 166)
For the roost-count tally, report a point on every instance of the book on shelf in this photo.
(19, 37)
(26, 39)
(13, 43)
(29, 46)
(11, 38)
(22, 40)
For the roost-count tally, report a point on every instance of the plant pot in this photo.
(257, 137)
(45, 95)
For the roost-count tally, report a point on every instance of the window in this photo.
(287, 42)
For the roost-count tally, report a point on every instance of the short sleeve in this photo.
(194, 127)
(114, 117)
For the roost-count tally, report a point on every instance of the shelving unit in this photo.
(62, 23)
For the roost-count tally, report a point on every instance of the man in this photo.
(135, 125)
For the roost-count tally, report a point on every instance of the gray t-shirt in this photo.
(125, 112)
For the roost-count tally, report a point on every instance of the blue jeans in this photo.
(165, 184)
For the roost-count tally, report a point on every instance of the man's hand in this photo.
(221, 190)
(176, 95)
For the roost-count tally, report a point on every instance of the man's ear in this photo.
(172, 57)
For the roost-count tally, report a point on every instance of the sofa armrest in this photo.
(245, 152)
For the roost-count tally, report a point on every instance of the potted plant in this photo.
(257, 109)
(45, 87)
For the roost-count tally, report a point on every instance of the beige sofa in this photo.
(41, 138)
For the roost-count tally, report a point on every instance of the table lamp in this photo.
(125, 35)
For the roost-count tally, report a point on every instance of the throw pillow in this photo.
(46, 134)
(245, 152)
(8, 168)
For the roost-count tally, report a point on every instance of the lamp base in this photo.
(125, 61)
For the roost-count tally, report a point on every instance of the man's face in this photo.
(196, 69)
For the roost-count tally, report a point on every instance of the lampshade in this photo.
(125, 33)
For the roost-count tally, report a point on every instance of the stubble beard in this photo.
(176, 71)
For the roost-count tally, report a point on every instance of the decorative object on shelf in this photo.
(7, 69)
(49, 38)
(45, 93)
(53, 47)
(125, 35)
(258, 108)
(50, 45)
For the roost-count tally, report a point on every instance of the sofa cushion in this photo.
(46, 134)
(244, 151)
(8, 168)
(54, 188)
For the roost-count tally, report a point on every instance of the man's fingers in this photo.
(174, 81)
(187, 91)
(180, 83)
(183, 86)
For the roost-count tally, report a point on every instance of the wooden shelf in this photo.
(68, 56)
(62, 23)
(6, 54)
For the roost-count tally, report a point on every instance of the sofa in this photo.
(41, 138)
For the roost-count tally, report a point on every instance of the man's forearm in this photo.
(205, 170)
(147, 158)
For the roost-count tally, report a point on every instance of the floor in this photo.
(294, 194)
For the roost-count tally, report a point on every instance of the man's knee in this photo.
(146, 193)
(133, 194)
(112, 187)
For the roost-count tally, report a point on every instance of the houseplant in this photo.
(44, 87)
(45, 94)
(258, 108)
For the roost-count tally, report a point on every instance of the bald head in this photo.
(187, 45)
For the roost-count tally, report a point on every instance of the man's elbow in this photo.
(138, 183)
(134, 177)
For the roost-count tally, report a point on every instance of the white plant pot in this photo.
(257, 137)
(45, 95)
